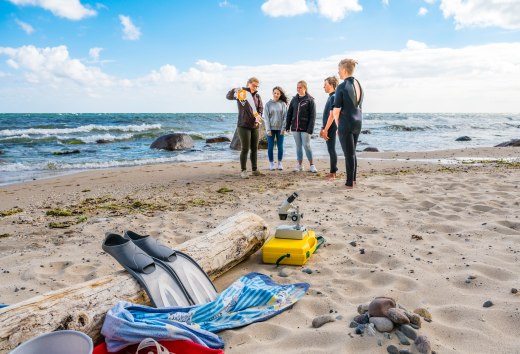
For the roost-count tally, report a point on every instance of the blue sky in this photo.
(164, 56)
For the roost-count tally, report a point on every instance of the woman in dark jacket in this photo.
(301, 116)
(250, 109)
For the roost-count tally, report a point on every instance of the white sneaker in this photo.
(271, 165)
(280, 166)
(244, 175)
(298, 168)
(313, 169)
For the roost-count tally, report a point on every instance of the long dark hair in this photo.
(283, 96)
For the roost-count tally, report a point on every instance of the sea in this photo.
(34, 146)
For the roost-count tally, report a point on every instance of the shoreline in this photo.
(466, 215)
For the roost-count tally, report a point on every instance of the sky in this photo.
(169, 56)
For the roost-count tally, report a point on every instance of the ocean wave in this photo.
(81, 129)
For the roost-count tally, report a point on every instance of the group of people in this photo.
(342, 117)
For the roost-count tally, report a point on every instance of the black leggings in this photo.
(348, 141)
(331, 147)
(249, 141)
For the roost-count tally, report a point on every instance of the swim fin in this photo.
(162, 287)
(192, 277)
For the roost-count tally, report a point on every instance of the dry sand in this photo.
(425, 228)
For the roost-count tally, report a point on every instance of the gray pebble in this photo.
(360, 329)
(284, 273)
(353, 324)
(339, 317)
(353, 243)
(467, 281)
(307, 270)
(402, 338)
(321, 320)
(414, 326)
(408, 331)
(423, 345)
(361, 309)
(362, 319)
(514, 291)
(404, 351)
(370, 330)
(382, 324)
(488, 303)
(387, 335)
(392, 349)
(380, 342)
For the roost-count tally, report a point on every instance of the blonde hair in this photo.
(303, 83)
(348, 64)
(333, 81)
(252, 79)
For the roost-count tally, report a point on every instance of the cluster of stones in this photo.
(383, 315)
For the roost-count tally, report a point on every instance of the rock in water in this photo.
(371, 149)
(397, 316)
(421, 311)
(171, 142)
(380, 306)
(463, 138)
(218, 139)
(513, 142)
(408, 331)
(423, 345)
(321, 320)
(382, 324)
(262, 139)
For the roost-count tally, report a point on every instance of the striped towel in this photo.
(252, 298)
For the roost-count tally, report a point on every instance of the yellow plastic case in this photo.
(297, 252)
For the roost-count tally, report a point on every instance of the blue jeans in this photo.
(302, 140)
(275, 134)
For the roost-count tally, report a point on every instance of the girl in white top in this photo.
(275, 113)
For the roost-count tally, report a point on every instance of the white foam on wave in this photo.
(82, 129)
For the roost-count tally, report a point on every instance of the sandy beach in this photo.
(444, 237)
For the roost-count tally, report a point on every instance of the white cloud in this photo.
(415, 45)
(385, 2)
(27, 28)
(69, 9)
(227, 4)
(54, 65)
(483, 13)
(414, 79)
(429, 1)
(422, 11)
(94, 53)
(130, 31)
(276, 8)
(336, 10)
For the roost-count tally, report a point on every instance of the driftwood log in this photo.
(82, 307)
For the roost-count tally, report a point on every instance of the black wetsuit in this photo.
(331, 133)
(350, 121)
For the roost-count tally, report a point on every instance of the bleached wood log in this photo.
(82, 307)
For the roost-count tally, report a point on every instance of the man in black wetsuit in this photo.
(348, 116)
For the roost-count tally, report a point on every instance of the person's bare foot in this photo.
(330, 176)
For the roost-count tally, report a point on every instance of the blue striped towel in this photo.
(252, 298)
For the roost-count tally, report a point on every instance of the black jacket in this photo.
(246, 119)
(301, 114)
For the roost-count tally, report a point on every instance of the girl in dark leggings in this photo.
(348, 115)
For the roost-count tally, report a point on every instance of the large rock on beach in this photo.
(513, 142)
(171, 142)
(382, 324)
(218, 139)
(397, 316)
(262, 139)
(380, 305)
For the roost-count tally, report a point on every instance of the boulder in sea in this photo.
(397, 316)
(171, 142)
(382, 324)
(380, 305)
(218, 139)
(262, 139)
(366, 131)
(371, 149)
(1, 152)
(463, 138)
(103, 141)
(513, 142)
(66, 152)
